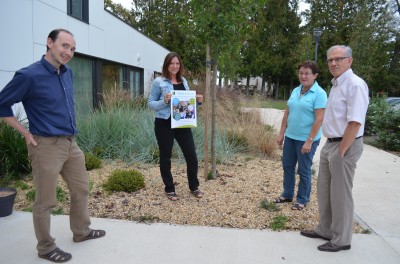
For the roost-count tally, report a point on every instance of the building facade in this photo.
(110, 56)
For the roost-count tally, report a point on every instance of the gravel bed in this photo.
(231, 200)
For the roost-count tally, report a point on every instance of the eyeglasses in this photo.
(305, 73)
(338, 59)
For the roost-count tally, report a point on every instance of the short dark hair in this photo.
(310, 65)
(54, 34)
(167, 61)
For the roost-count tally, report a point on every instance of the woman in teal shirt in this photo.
(300, 134)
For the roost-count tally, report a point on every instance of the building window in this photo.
(113, 84)
(98, 81)
(120, 81)
(134, 82)
(79, 9)
(83, 83)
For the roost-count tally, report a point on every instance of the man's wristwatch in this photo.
(310, 138)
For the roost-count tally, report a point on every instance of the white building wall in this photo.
(25, 25)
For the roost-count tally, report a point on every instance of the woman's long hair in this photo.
(167, 61)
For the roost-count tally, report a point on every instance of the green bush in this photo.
(113, 132)
(30, 195)
(155, 154)
(125, 181)
(377, 108)
(279, 222)
(57, 211)
(14, 161)
(384, 122)
(237, 139)
(21, 185)
(389, 130)
(91, 161)
(269, 205)
(61, 195)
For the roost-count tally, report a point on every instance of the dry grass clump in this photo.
(246, 127)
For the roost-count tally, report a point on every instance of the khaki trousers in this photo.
(334, 191)
(53, 156)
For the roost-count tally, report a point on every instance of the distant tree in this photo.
(394, 67)
(120, 12)
(274, 40)
(367, 26)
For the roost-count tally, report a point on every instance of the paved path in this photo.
(376, 190)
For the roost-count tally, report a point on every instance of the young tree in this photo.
(216, 24)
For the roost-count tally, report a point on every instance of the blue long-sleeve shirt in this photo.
(47, 97)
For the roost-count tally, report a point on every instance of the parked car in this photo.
(393, 102)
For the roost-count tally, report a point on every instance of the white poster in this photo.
(183, 109)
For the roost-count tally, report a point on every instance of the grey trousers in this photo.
(334, 191)
(51, 157)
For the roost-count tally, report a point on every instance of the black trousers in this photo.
(165, 139)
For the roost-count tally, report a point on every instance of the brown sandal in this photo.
(282, 200)
(93, 234)
(57, 255)
(197, 193)
(298, 206)
(172, 196)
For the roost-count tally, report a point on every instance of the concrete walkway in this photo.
(377, 205)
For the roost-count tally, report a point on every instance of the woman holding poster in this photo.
(160, 100)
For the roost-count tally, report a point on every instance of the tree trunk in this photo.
(214, 121)
(277, 89)
(207, 110)
(262, 92)
(394, 66)
(248, 84)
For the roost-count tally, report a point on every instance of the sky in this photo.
(128, 4)
(125, 3)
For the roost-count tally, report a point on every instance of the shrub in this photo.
(146, 219)
(57, 211)
(366, 231)
(113, 132)
(92, 162)
(14, 161)
(269, 205)
(279, 222)
(384, 122)
(30, 195)
(243, 127)
(125, 181)
(236, 138)
(21, 185)
(388, 127)
(154, 154)
(377, 108)
(61, 195)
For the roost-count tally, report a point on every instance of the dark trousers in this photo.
(165, 139)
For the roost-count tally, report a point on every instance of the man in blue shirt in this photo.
(45, 89)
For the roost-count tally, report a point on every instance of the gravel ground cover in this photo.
(231, 200)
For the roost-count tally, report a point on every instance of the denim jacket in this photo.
(159, 88)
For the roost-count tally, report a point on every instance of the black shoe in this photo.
(330, 247)
(282, 200)
(312, 234)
